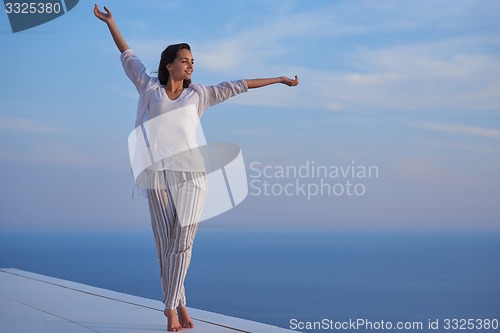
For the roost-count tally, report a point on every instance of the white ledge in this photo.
(36, 303)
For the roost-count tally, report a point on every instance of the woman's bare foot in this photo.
(173, 324)
(184, 318)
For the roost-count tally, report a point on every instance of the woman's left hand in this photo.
(290, 82)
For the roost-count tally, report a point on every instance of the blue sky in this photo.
(412, 87)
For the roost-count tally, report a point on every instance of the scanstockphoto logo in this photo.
(24, 15)
(310, 179)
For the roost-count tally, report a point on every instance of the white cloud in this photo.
(157, 5)
(58, 153)
(461, 129)
(252, 49)
(440, 70)
(448, 74)
(414, 77)
(470, 148)
(149, 51)
(26, 125)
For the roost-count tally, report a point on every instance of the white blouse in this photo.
(165, 133)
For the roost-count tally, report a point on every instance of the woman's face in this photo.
(182, 67)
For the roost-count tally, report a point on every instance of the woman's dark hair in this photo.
(167, 57)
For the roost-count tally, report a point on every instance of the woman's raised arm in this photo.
(257, 83)
(110, 22)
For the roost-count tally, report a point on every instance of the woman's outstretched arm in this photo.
(110, 22)
(257, 83)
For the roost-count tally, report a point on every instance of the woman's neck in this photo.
(174, 89)
(174, 86)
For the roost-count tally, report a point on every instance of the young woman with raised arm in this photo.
(172, 91)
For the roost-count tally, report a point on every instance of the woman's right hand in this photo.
(110, 22)
(105, 17)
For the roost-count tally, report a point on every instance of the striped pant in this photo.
(175, 209)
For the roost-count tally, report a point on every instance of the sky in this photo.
(409, 90)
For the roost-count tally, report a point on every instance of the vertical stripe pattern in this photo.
(172, 194)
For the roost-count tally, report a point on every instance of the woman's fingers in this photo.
(292, 83)
(98, 13)
(102, 16)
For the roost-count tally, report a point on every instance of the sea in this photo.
(306, 280)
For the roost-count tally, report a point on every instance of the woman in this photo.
(175, 194)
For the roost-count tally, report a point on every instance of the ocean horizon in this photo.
(288, 277)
